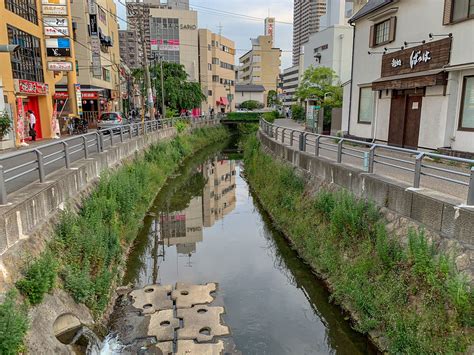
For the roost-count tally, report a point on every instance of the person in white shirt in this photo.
(32, 119)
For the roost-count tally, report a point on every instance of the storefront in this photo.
(28, 95)
(412, 90)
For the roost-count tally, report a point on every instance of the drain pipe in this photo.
(352, 78)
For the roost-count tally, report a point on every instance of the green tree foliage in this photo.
(297, 112)
(180, 93)
(272, 99)
(251, 105)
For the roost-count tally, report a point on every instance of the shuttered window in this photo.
(383, 32)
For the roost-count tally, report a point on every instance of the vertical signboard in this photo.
(78, 99)
(95, 41)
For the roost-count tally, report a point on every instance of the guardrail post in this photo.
(339, 150)
(39, 158)
(301, 147)
(111, 132)
(99, 142)
(316, 145)
(283, 135)
(3, 189)
(418, 162)
(130, 133)
(121, 134)
(291, 138)
(371, 163)
(66, 155)
(86, 151)
(470, 192)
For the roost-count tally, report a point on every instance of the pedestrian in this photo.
(32, 119)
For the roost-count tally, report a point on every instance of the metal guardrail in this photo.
(371, 154)
(49, 156)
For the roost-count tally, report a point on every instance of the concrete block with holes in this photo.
(186, 295)
(152, 298)
(162, 325)
(201, 323)
(186, 347)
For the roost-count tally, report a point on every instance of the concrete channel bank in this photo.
(449, 225)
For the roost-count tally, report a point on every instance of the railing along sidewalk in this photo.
(371, 154)
(37, 160)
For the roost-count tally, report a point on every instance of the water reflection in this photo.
(205, 226)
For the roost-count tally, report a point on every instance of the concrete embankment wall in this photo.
(448, 225)
(26, 222)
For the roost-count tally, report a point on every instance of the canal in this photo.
(206, 226)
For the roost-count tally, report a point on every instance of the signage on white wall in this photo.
(54, 10)
(56, 31)
(60, 66)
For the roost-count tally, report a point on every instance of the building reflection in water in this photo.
(184, 229)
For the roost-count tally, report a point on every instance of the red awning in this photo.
(223, 101)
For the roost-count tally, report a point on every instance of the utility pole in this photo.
(163, 107)
(149, 92)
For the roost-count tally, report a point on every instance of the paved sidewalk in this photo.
(328, 150)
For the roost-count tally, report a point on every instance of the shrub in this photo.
(181, 126)
(39, 278)
(13, 324)
(244, 116)
(5, 124)
(271, 116)
(297, 113)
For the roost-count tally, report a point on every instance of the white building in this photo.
(421, 95)
(249, 92)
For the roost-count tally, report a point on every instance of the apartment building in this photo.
(98, 59)
(131, 51)
(217, 71)
(260, 65)
(413, 75)
(170, 32)
(44, 54)
(290, 82)
(306, 21)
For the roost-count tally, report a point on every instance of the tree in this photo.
(251, 105)
(272, 99)
(180, 93)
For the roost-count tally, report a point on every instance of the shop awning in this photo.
(223, 101)
(411, 80)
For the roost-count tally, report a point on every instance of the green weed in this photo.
(13, 324)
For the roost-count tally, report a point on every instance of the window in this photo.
(209, 93)
(366, 105)
(23, 8)
(26, 61)
(462, 10)
(215, 61)
(466, 120)
(383, 32)
(215, 78)
(105, 74)
(209, 66)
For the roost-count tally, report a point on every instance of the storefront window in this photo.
(26, 61)
(466, 121)
(366, 105)
(23, 8)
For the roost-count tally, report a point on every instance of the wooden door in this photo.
(397, 120)
(412, 121)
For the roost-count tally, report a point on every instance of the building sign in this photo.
(54, 2)
(154, 44)
(56, 31)
(58, 47)
(90, 95)
(187, 27)
(54, 10)
(78, 99)
(428, 56)
(61, 95)
(30, 87)
(60, 66)
(55, 21)
(93, 25)
(168, 44)
(92, 7)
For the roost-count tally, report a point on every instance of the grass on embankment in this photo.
(88, 247)
(412, 296)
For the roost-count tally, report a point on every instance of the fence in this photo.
(368, 155)
(21, 168)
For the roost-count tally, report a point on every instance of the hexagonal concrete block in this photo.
(152, 298)
(186, 295)
(201, 323)
(186, 347)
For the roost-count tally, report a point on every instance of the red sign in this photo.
(89, 95)
(30, 87)
(61, 95)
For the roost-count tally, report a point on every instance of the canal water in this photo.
(206, 226)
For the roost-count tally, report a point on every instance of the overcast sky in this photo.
(240, 30)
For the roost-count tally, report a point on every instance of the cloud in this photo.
(211, 16)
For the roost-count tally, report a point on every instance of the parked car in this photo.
(111, 120)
